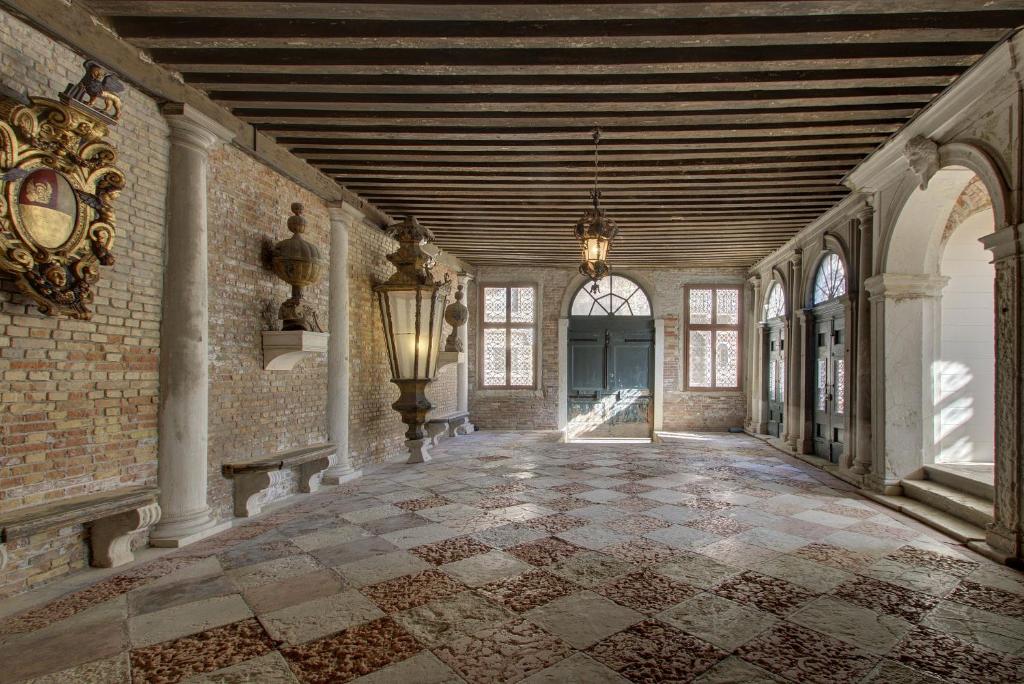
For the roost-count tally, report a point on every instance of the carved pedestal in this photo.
(112, 536)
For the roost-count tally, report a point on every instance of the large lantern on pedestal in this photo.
(412, 307)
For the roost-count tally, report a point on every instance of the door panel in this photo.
(829, 376)
(610, 362)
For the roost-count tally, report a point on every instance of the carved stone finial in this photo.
(298, 263)
(923, 156)
(455, 315)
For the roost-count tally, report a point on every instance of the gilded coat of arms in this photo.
(59, 182)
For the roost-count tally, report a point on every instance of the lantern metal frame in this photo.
(412, 284)
(595, 230)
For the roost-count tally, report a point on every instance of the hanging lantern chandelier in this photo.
(595, 231)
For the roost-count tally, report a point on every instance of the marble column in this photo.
(184, 335)
(755, 346)
(795, 343)
(1007, 530)
(462, 378)
(861, 427)
(341, 470)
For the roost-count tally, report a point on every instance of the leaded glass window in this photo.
(775, 304)
(822, 384)
(509, 336)
(614, 296)
(772, 379)
(713, 337)
(830, 281)
(840, 386)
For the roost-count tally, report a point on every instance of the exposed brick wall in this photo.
(78, 399)
(255, 413)
(538, 410)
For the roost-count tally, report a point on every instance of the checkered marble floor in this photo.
(709, 558)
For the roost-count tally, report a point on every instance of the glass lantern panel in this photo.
(700, 307)
(727, 311)
(494, 356)
(521, 372)
(402, 309)
(440, 300)
(495, 305)
(522, 309)
(700, 358)
(727, 354)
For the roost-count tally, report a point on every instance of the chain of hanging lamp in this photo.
(595, 230)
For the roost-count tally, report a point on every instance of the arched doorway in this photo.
(775, 358)
(828, 369)
(610, 359)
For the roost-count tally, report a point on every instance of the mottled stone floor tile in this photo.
(188, 618)
(718, 525)
(156, 597)
(332, 536)
(590, 568)
(272, 596)
(950, 659)
(805, 656)
(891, 672)
(377, 569)
(450, 550)
(422, 668)
(583, 618)
(653, 651)
(420, 536)
(942, 562)
(835, 556)
(271, 668)
(646, 591)
(696, 569)
(915, 577)
(273, 571)
(503, 654)
(507, 536)
(718, 621)
(352, 551)
(440, 621)
(544, 551)
(736, 671)
(251, 553)
(988, 598)
(207, 651)
(886, 598)
(576, 669)
(394, 523)
(733, 552)
(642, 551)
(973, 625)
(553, 524)
(529, 590)
(352, 653)
(767, 593)
(321, 616)
(485, 568)
(410, 591)
(855, 625)
(420, 504)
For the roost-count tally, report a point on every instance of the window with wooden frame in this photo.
(508, 336)
(713, 336)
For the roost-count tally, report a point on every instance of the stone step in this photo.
(962, 479)
(972, 509)
(955, 527)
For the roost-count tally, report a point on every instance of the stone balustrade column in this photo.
(861, 427)
(462, 389)
(341, 470)
(184, 335)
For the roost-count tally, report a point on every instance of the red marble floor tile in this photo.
(553, 524)
(988, 598)
(529, 590)
(636, 504)
(767, 593)
(803, 655)
(567, 503)
(886, 598)
(650, 652)
(637, 524)
(835, 556)
(642, 551)
(954, 660)
(410, 591)
(544, 551)
(421, 504)
(172, 661)
(503, 654)
(502, 501)
(352, 653)
(572, 488)
(646, 591)
(450, 550)
(720, 525)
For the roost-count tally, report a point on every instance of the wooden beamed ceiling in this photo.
(726, 126)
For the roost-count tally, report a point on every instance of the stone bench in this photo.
(255, 477)
(448, 426)
(112, 516)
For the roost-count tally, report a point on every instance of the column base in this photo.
(174, 534)
(340, 477)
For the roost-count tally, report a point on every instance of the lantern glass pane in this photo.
(440, 299)
(522, 307)
(402, 305)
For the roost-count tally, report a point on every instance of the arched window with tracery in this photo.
(613, 296)
(775, 304)
(830, 280)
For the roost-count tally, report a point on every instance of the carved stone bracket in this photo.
(308, 471)
(111, 536)
(923, 157)
(249, 488)
(283, 349)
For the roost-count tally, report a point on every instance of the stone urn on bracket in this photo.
(299, 263)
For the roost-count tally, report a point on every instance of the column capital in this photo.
(1005, 243)
(192, 127)
(344, 214)
(904, 286)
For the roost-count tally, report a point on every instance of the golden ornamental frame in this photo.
(58, 183)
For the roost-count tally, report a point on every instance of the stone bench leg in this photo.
(111, 537)
(462, 426)
(308, 471)
(249, 488)
(436, 432)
